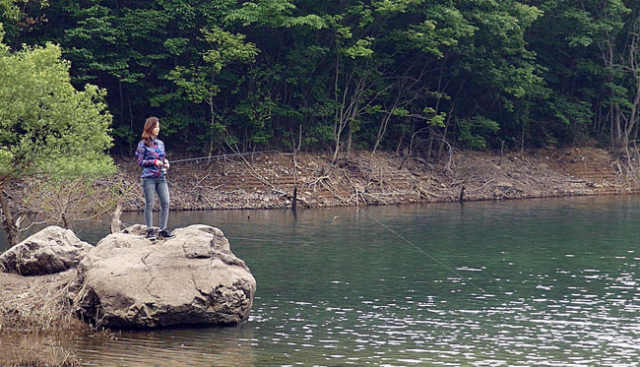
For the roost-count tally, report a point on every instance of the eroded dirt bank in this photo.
(267, 181)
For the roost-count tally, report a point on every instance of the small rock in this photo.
(52, 250)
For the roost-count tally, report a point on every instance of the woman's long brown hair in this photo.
(147, 132)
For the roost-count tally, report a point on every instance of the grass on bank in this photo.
(35, 350)
(35, 319)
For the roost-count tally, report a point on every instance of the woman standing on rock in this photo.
(151, 157)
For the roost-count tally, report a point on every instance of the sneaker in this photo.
(165, 233)
(151, 234)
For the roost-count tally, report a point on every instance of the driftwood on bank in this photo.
(267, 181)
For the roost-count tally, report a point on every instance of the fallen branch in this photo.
(426, 193)
(199, 182)
(485, 184)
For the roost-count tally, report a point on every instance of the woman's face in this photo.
(156, 130)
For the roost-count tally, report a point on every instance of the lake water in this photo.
(517, 283)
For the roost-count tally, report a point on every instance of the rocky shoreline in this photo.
(54, 284)
(127, 280)
(270, 181)
(267, 181)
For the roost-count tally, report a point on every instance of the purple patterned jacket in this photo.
(147, 157)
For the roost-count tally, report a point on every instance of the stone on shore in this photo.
(193, 278)
(52, 250)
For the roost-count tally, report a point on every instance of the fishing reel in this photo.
(163, 169)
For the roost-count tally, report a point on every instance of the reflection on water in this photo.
(172, 347)
(32, 349)
(536, 282)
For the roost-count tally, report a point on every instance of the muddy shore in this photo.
(267, 181)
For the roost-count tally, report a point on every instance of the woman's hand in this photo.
(166, 164)
(159, 162)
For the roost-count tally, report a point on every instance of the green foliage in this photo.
(176, 46)
(435, 119)
(473, 131)
(256, 117)
(258, 72)
(572, 112)
(9, 9)
(3, 47)
(396, 6)
(198, 81)
(46, 125)
(444, 28)
(273, 14)
(229, 48)
(362, 48)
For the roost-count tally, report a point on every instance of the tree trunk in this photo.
(8, 223)
(115, 218)
(442, 144)
(212, 112)
(400, 141)
(121, 96)
(295, 149)
(349, 140)
(382, 129)
(336, 150)
(429, 145)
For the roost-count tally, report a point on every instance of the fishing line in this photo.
(252, 239)
(220, 156)
(125, 225)
(267, 240)
(424, 252)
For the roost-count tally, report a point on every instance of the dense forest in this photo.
(412, 76)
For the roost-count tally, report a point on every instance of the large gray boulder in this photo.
(52, 250)
(193, 278)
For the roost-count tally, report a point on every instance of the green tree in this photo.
(283, 87)
(590, 54)
(377, 74)
(199, 81)
(47, 127)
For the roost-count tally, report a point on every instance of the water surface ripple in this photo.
(522, 283)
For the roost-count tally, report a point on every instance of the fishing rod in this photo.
(196, 159)
(220, 156)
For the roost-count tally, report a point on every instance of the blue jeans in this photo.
(150, 187)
